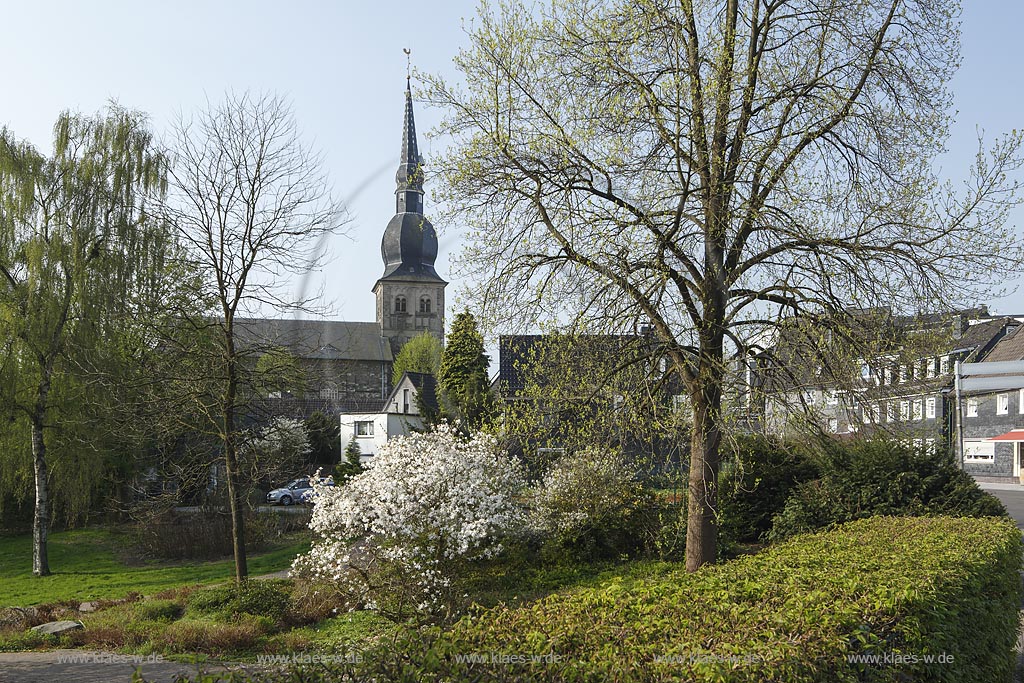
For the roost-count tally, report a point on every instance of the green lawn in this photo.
(85, 566)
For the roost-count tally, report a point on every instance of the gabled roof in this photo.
(517, 353)
(1009, 348)
(317, 339)
(423, 384)
(979, 339)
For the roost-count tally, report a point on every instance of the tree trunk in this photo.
(231, 470)
(702, 499)
(41, 518)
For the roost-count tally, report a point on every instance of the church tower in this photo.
(410, 293)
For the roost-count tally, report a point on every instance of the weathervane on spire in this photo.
(408, 63)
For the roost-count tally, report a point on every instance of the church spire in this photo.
(409, 246)
(409, 178)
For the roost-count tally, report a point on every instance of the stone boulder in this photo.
(58, 627)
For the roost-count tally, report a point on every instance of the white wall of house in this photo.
(373, 430)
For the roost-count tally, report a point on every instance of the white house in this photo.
(400, 415)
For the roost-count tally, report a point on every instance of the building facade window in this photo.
(890, 411)
(972, 407)
(1002, 404)
(918, 413)
(876, 412)
(932, 368)
(944, 365)
(424, 304)
(364, 428)
(978, 450)
(400, 305)
(929, 408)
(905, 411)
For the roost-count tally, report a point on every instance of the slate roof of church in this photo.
(317, 339)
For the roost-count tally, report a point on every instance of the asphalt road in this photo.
(1013, 500)
(90, 667)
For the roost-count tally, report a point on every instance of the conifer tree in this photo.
(465, 390)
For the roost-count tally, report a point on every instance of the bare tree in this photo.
(250, 200)
(709, 167)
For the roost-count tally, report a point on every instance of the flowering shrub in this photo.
(581, 491)
(398, 536)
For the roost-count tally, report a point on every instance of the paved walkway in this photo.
(92, 667)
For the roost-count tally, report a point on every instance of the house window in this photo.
(944, 365)
(931, 367)
(876, 413)
(831, 398)
(929, 408)
(917, 409)
(1002, 404)
(833, 425)
(890, 411)
(978, 450)
(972, 407)
(905, 411)
(364, 428)
(424, 304)
(400, 305)
(809, 397)
(865, 371)
(405, 400)
(904, 373)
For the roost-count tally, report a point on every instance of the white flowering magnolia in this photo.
(580, 490)
(398, 534)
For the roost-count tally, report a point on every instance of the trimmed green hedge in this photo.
(896, 588)
(877, 477)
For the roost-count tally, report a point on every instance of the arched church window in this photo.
(400, 304)
(424, 304)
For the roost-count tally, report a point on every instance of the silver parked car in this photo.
(291, 492)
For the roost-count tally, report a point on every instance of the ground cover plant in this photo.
(831, 606)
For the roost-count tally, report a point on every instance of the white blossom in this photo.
(425, 504)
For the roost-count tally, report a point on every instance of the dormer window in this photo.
(400, 306)
(424, 304)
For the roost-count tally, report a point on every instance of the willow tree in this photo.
(709, 167)
(250, 201)
(77, 242)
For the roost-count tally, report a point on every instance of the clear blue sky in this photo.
(341, 64)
